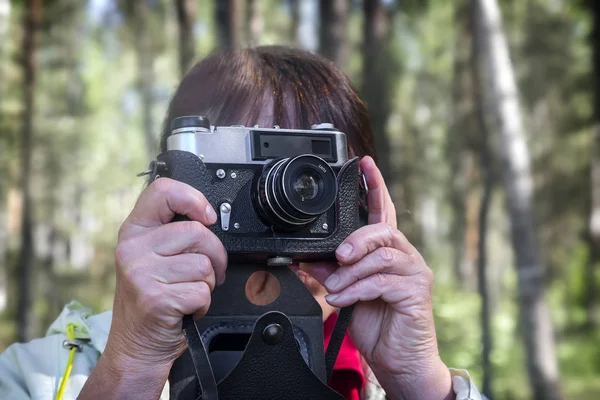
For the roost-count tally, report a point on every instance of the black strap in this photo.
(204, 372)
(337, 337)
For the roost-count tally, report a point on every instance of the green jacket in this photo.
(34, 370)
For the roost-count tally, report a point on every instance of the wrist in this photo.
(117, 376)
(432, 382)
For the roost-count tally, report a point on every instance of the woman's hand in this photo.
(165, 270)
(392, 324)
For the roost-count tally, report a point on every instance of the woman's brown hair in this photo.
(275, 85)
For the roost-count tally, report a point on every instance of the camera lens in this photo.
(306, 185)
(294, 192)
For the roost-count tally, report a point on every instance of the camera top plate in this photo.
(254, 145)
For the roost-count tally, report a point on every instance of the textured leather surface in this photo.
(254, 237)
(281, 372)
(230, 311)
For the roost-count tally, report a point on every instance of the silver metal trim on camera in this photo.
(233, 144)
(225, 211)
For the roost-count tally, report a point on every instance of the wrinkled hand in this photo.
(392, 324)
(165, 270)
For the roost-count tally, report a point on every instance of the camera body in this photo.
(277, 192)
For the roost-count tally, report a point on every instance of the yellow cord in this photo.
(65, 378)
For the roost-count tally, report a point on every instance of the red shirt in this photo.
(348, 377)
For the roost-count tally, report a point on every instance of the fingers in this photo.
(189, 298)
(392, 289)
(185, 268)
(382, 260)
(381, 207)
(371, 237)
(164, 199)
(189, 237)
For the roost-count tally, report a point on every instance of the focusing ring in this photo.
(280, 201)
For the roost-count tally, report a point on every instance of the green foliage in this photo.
(89, 145)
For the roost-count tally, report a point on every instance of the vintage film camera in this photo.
(278, 192)
(281, 195)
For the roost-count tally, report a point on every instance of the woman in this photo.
(167, 270)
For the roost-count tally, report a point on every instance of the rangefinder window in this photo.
(322, 148)
(270, 145)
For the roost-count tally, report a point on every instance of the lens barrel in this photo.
(293, 192)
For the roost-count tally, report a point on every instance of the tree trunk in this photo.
(304, 30)
(333, 32)
(460, 157)
(254, 21)
(51, 284)
(145, 67)
(594, 206)
(376, 81)
(486, 173)
(295, 24)
(4, 39)
(536, 323)
(186, 17)
(229, 23)
(593, 234)
(4, 185)
(26, 327)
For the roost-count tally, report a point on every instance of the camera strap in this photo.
(287, 362)
(337, 337)
(197, 349)
(203, 369)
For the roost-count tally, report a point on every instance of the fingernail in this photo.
(221, 280)
(345, 250)
(331, 297)
(211, 215)
(332, 281)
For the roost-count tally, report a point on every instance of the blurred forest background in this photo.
(487, 115)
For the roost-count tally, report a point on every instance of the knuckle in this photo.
(203, 290)
(409, 263)
(151, 301)
(387, 255)
(429, 275)
(400, 236)
(122, 231)
(198, 296)
(202, 301)
(203, 263)
(424, 280)
(134, 278)
(162, 186)
(389, 228)
(391, 233)
(124, 253)
(351, 275)
(382, 280)
(193, 229)
(200, 196)
(396, 234)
